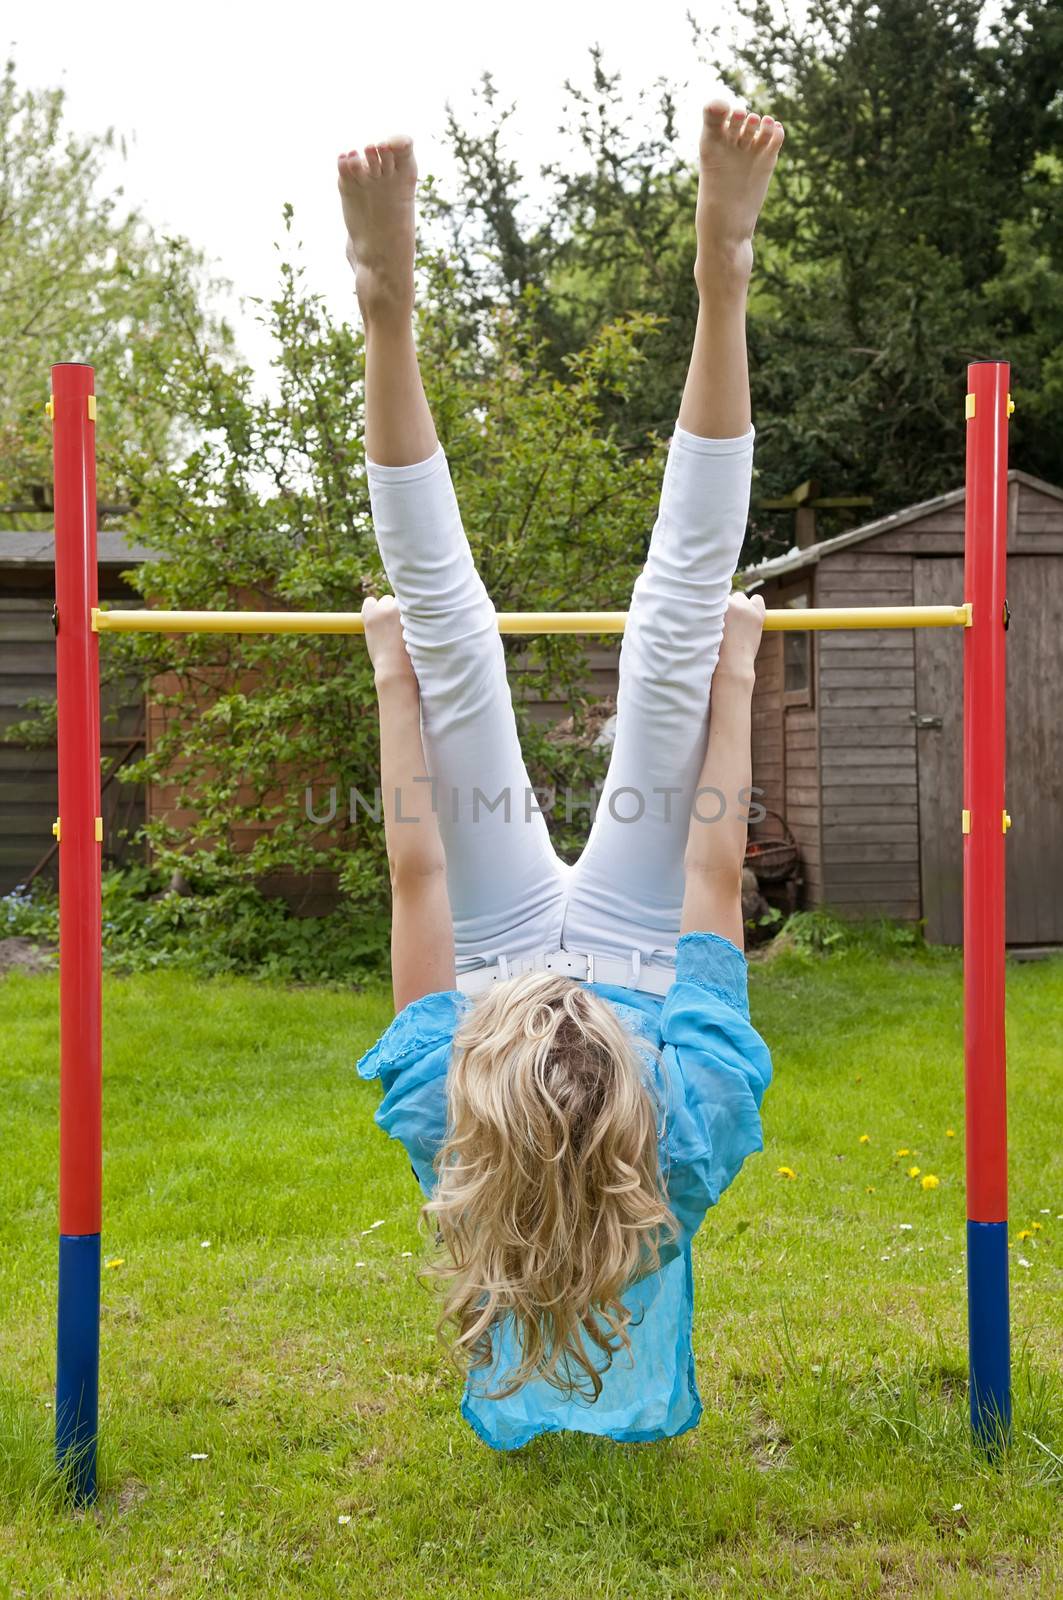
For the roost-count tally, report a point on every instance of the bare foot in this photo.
(738, 154)
(377, 190)
(742, 629)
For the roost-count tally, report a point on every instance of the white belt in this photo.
(585, 966)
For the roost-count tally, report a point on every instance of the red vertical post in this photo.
(80, 833)
(985, 824)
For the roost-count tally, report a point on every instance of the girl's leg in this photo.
(504, 880)
(626, 891)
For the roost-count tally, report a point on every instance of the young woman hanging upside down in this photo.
(572, 1068)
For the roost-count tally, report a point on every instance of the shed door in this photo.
(1035, 759)
(939, 747)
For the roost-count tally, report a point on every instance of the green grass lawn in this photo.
(267, 1316)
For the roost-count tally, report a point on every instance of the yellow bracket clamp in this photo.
(965, 821)
(49, 409)
(968, 408)
(97, 829)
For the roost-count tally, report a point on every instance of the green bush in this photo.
(30, 914)
(232, 929)
(820, 932)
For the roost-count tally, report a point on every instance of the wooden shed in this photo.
(28, 783)
(858, 736)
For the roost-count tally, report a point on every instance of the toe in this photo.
(749, 130)
(372, 158)
(737, 122)
(764, 132)
(401, 147)
(716, 113)
(770, 138)
(387, 161)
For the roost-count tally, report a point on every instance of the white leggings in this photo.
(510, 895)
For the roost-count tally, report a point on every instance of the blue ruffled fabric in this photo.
(708, 1069)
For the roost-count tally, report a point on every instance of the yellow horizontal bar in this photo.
(334, 621)
(822, 619)
(797, 620)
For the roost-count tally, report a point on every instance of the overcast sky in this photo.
(229, 110)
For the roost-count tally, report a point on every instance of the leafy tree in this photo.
(912, 227)
(262, 500)
(81, 279)
(269, 507)
(615, 236)
(914, 126)
(1026, 300)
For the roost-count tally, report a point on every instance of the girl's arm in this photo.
(422, 931)
(716, 842)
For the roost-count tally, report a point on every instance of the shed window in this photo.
(797, 658)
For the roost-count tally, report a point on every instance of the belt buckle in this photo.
(566, 961)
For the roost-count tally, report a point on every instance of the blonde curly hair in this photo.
(549, 1199)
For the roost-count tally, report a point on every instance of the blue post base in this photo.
(988, 1333)
(77, 1368)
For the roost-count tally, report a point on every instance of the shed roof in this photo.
(33, 548)
(800, 560)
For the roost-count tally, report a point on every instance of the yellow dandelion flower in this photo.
(116, 1261)
(865, 1138)
(1025, 1233)
(1037, 1226)
(870, 1189)
(930, 1182)
(903, 1151)
(913, 1172)
(950, 1133)
(786, 1172)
